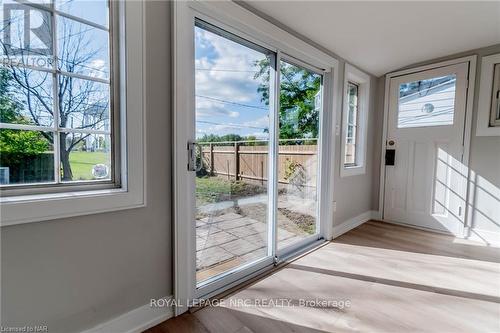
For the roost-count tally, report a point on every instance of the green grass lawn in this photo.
(82, 163)
(215, 189)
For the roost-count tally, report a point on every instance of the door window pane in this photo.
(232, 130)
(429, 102)
(300, 108)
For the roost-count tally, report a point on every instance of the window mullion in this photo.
(357, 132)
(25, 127)
(52, 8)
(83, 130)
(55, 89)
(82, 76)
(273, 146)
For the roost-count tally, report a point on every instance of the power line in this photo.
(226, 70)
(233, 103)
(230, 125)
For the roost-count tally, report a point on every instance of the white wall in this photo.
(72, 274)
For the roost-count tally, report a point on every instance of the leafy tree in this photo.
(298, 117)
(220, 138)
(16, 141)
(253, 140)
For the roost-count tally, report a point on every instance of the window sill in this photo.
(42, 207)
(354, 170)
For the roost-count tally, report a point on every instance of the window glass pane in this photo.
(299, 115)
(96, 11)
(26, 96)
(84, 104)
(232, 122)
(26, 157)
(82, 48)
(429, 102)
(85, 156)
(350, 151)
(352, 123)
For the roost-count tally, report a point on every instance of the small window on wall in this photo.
(488, 107)
(354, 121)
(495, 100)
(352, 124)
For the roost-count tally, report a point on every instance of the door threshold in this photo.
(258, 275)
(413, 226)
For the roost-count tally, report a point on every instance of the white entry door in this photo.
(425, 183)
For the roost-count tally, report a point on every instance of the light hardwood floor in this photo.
(396, 279)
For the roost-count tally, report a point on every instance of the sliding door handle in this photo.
(193, 163)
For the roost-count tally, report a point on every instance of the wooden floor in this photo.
(395, 279)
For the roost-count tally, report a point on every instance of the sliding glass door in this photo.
(299, 114)
(232, 133)
(257, 124)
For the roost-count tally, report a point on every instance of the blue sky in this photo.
(227, 99)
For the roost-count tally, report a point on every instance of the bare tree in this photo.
(80, 101)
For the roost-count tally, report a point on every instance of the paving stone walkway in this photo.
(232, 239)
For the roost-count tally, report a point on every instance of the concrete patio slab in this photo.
(211, 256)
(240, 247)
(228, 240)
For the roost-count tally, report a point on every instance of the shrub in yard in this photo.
(295, 173)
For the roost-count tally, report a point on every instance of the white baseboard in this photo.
(489, 238)
(354, 222)
(135, 321)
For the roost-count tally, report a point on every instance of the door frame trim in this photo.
(236, 19)
(472, 61)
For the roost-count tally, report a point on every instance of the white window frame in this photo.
(130, 191)
(58, 185)
(362, 80)
(237, 20)
(484, 107)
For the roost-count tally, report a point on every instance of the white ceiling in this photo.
(380, 37)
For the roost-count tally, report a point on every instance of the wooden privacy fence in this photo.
(27, 168)
(239, 161)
